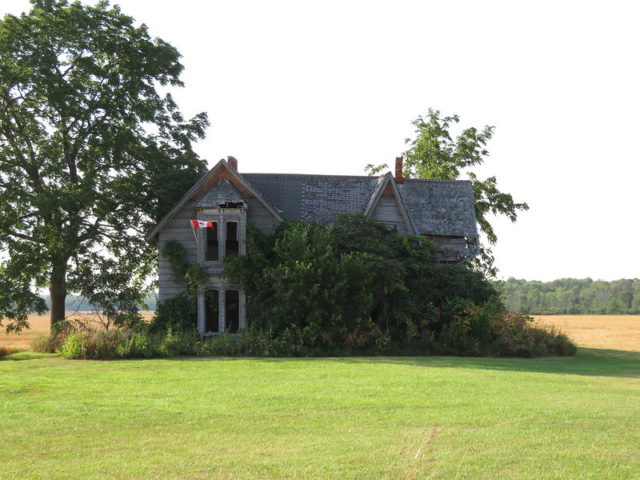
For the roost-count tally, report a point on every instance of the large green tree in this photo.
(92, 150)
(434, 153)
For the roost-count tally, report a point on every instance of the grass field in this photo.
(352, 418)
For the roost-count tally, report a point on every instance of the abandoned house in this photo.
(224, 199)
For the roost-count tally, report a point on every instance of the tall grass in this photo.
(4, 351)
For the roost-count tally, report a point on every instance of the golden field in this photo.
(617, 332)
(40, 324)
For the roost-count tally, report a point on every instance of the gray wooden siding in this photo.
(179, 229)
(260, 217)
(451, 247)
(388, 212)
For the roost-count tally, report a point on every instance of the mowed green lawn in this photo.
(352, 418)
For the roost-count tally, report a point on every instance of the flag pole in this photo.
(195, 235)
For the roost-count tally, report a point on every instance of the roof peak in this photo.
(376, 177)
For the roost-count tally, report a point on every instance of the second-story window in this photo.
(211, 252)
(232, 246)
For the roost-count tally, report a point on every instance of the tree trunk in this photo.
(58, 290)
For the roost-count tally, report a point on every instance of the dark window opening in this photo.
(232, 245)
(211, 253)
(232, 205)
(211, 324)
(232, 310)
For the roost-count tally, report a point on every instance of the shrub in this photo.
(223, 345)
(106, 344)
(177, 313)
(136, 345)
(355, 287)
(74, 346)
(517, 337)
(252, 342)
(178, 342)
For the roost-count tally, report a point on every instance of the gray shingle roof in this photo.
(313, 198)
(440, 207)
(436, 207)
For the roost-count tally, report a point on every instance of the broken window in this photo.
(212, 311)
(211, 252)
(232, 311)
(232, 244)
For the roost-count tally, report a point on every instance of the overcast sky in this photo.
(329, 86)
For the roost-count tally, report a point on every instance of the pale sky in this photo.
(329, 86)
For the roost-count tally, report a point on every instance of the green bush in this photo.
(74, 346)
(223, 345)
(178, 342)
(177, 313)
(107, 345)
(516, 336)
(136, 345)
(356, 287)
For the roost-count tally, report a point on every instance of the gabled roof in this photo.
(434, 207)
(429, 207)
(385, 182)
(196, 190)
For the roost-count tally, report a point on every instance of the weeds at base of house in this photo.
(515, 336)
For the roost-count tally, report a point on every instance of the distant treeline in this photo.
(74, 303)
(571, 296)
(559, 297)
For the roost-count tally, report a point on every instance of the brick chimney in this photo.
(233, 162)
(399, 177)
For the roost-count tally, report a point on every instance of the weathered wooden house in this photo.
(441, 210)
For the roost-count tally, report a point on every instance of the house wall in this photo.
(260, 217)
(179, 229)
(388, 213)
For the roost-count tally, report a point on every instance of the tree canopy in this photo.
(434, 153)
(92, 151)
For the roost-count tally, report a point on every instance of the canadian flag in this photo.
(202, 224)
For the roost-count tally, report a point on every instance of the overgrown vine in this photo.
(191, 273)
